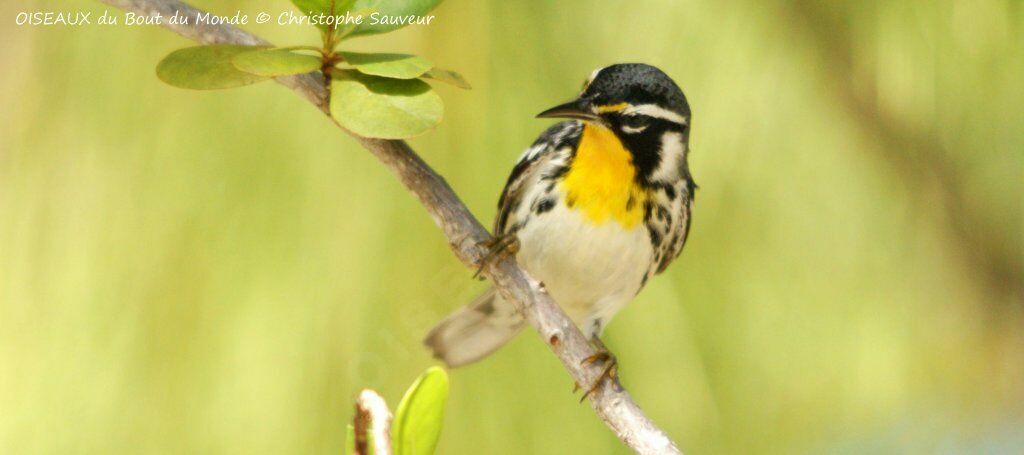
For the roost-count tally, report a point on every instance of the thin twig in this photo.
(372, 417)
(465, 235)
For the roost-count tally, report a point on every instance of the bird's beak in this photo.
(577, 109)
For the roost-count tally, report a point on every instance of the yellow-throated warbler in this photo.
(593, 208)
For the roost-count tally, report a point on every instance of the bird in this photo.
(593, 209)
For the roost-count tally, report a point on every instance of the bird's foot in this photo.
(609, 372)
(498, 248)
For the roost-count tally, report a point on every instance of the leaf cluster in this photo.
(378, 95)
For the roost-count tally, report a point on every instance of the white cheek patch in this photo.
(673, 151)
(653, 110)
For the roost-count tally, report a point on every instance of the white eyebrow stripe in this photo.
(673, 152)
(653, 110)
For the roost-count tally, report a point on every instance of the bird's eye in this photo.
(635, 122)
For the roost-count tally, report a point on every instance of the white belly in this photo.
(591, 270)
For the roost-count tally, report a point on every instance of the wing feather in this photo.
(527, 171)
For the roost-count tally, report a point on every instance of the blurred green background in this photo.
(185, 272)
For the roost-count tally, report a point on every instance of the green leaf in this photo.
(205, 68)
(391, 10)
(448, 77)
(318, 7)
(275, 62)
(417, 423)
(313, 7)
(361, 15)
(384, 108)
(397, 66)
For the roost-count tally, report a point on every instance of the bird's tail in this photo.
(472, 332)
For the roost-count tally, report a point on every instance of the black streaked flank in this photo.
(670, 192)
(662, 213)
(544, 206)
(655, 236)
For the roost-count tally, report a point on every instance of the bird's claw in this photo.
(497, 248)
(610, 371)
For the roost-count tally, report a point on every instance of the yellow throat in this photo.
(601, 181)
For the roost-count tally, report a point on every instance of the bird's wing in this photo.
(554, 145)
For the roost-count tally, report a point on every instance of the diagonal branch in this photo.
(465, 235)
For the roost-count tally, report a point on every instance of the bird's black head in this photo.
(635, 84)
(628, 97)
(642, 105)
